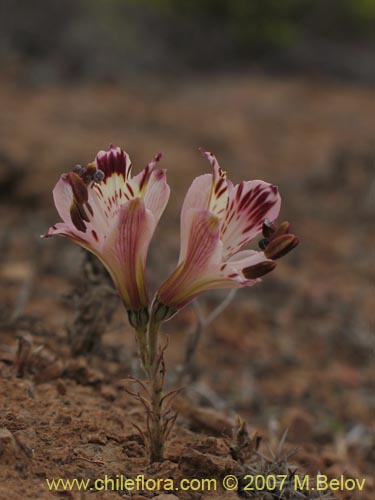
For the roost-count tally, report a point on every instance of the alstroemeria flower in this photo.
(113, 215)
(217, 220)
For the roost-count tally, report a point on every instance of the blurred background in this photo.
(282, 91)
(113, 40)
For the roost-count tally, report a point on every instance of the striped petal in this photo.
(126, 252)
(245, 268)
(249, 204)
(156, 194)
(207, 192)
(114, 162)
(197, 198)
(203, 253)
(219, 187)
(116, 187)
(211, 259)
(84, 221)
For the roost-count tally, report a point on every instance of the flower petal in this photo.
(114, 161)
(68, 208)
(141, 180)
(249, 204)
(63, 198)
(226, 276)
(126, 250)
(116, 187)
(230, 274)
(207, 192)
(203, 253)
(63, 229)
(219, 187)
(197, 198)
(113, 216)
(234, 268)
(157, 193)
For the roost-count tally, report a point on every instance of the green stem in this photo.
(152, 342)
(141, 334)
(155, 376)
(153, 365)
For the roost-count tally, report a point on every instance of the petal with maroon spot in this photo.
(249, 204)
(113, 161)
(219, 187)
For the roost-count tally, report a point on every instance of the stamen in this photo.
(88, 174)
(76, 216)
(258, 270)
(78, 187)
(98, 176)
(280, 246)
(263, 243)
(284, 228)
(268, 228)
(78, 169)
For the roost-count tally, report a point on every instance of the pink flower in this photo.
(107, 211)
(217, 220)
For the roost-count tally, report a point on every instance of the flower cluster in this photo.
(114, 215)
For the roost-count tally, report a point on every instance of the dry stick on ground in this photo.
(187, 370)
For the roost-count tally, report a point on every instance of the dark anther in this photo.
(268, 228)
(78, 187)
(98, 176)
(280, 246)
(284, 228)
(259, 270)
(78, 216)
(263, 243)
(78, 169)
(88, 174)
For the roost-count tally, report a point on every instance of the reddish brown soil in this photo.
(295, 352)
